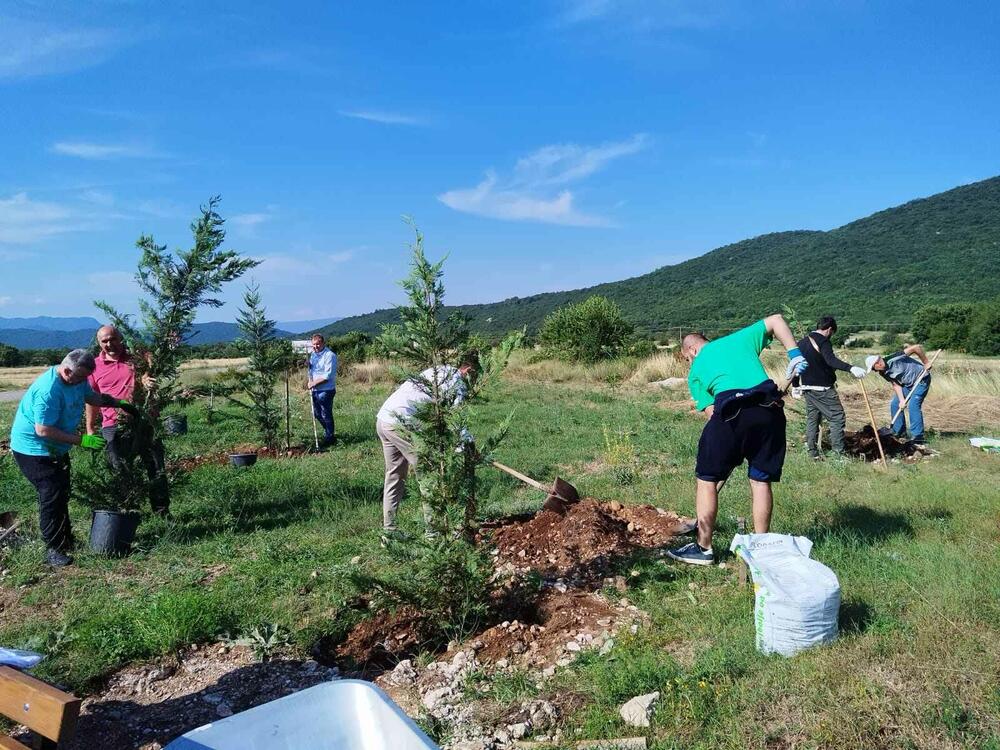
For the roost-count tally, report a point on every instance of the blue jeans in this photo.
(913, 406)
(323, 411)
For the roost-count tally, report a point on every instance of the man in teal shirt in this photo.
(746, 422)
(45, 428)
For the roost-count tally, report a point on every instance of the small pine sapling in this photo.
(269, 357)
(174, 287)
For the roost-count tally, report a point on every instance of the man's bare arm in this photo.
(919, 351)
(49, 432)
(93, 419)
(778, 328)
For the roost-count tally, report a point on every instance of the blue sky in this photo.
(544, 145)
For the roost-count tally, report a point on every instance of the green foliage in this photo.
(972, 328)
(984, 331)
(936, 250)
(436, 344)
(123, 485)
(175, 287)
(590, 331)
(620, 455)
(269, 357)
(860, 342)
(351, 348)
(264, 640)
(9, 356)
(448, 580)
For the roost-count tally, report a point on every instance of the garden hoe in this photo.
(558, 497)
(312, 418)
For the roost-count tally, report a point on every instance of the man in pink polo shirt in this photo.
(115, 376)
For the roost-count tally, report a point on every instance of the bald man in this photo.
(115, 375)
(746, 422)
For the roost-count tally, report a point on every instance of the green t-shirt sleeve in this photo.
(756, 336)
(702, 398)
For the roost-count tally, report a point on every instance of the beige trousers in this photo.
(399, 458)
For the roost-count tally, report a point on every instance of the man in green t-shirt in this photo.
(746, 422)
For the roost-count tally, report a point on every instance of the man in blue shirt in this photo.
(323, 386)
(903, 373)
(45, 428)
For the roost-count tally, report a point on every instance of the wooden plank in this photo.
(6, 743)
(42, 708)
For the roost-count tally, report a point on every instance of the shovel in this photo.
(558, 497)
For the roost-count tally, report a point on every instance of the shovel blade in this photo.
(561, 496)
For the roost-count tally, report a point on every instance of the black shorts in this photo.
(756, 434)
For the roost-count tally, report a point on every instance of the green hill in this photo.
(945, 248)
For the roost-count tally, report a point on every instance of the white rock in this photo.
(436, 696)
(669, 383)
(637, 711)
(519, 730)
(606, 648)
(223, 710)
(548, 671)
(572, 646)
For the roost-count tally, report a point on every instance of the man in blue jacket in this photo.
(45, 427)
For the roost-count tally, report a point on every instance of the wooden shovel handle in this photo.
(523, 477)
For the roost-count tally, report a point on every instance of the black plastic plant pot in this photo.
(112, 532)
(242, 459)
(176, 424)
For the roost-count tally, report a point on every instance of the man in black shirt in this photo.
(819, 386)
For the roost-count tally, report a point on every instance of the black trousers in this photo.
(50, 476)
(154, 461)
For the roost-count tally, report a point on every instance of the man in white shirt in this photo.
(398, 452)
(323, 386)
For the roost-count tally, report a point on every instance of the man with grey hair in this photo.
(44, 429)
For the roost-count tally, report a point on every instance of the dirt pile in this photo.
(863, 445)
(580, 545)
(379, 642)
(562, 624)
(147, 706)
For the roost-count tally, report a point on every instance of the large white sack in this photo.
(797, 598)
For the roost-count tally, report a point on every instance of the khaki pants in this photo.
(399, 458)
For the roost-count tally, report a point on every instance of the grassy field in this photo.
(916, 550)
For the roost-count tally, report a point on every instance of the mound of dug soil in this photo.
(381, 641)
(149, 705)
(580, 545)
(863, 445)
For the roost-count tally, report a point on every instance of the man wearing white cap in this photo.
(904, 372)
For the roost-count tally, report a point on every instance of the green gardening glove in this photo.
(93, 442)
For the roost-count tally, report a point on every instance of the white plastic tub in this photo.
(340, 715)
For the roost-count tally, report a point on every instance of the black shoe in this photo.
(57, 559)
(329, 443)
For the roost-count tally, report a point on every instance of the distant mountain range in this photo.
(945, 248)
(46, 323)
(32, 334)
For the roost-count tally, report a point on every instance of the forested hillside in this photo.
(945, 248)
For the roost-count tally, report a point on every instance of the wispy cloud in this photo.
(23, 220)
(310, 262)
(102, 151)
(6, 300)
(384, 118)
(249, 220)
(530, 193)
(30, 49)
(642, 15)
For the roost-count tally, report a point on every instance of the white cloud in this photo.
(101, 151)
(309, 263)
(385, 118)
(11, 255)
(112, 282)
(33, 49)
(6, 300)
(528, 195)
(23, 220)
(249, 220)
(643, 15)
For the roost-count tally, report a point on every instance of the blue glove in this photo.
(796, 364)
